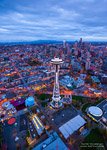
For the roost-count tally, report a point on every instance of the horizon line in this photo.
(21, 41)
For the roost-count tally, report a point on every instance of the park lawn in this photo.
(94, 137)
(98, 101)
(80, 98)
(43, 96)
(85, 106)
(95, 140)
(44, 104)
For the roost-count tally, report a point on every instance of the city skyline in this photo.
(53, 95)
(53, 20)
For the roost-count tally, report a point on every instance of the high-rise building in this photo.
(64, 44)
(88, 64)
(80, 41)
(56, 103)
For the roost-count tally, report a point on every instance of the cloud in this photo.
(53, 19)
(2, 30)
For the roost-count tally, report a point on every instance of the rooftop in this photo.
(95, 111)
(71, 126)
(52, 143)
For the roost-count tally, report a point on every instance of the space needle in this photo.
(56, 103)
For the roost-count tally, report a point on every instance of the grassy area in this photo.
(44, 104)
(80, 98)
(28, 133)
(43, 96)
(85, 106)
(94, 139)
(98, 101)
(77, 101)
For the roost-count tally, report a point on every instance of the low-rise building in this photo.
(53, 142)
(79, 82)
(99, 113)
(95, 79)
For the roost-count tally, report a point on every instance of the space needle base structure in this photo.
(56, 98)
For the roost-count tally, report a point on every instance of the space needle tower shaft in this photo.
(56, 92)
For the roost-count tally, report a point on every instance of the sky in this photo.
(29, 20)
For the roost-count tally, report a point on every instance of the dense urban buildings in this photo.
(44, 107)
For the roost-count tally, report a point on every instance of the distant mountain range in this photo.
(47, 42)
(34, 42)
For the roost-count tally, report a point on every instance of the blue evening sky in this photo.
(28, 20)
